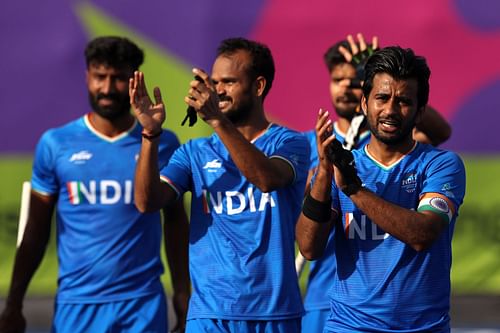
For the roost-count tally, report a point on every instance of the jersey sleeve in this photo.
(177, 173)
(446, 175)
(169, 143)
(44, 177)
(294, 150)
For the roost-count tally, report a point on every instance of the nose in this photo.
(220, 88)
(108, 86)
(393, 106)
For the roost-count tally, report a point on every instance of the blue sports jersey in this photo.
(322, 270)
(241, 240)
(107, 249)
(382, 284)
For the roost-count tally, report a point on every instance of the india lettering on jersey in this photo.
(358, 227)
(104, 192)
(236, 202)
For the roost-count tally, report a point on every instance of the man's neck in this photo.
(388, 154)
(111, 128)
(253, 129)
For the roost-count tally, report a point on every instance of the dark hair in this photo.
(333, 57)
(401, 64)
(262, 60)
(114, 51)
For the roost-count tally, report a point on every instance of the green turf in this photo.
(476, 264)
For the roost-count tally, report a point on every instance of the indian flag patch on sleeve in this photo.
(437, 205)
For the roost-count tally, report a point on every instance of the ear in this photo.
(260, 85)
(364, 106)
(87, 76)
(420, 114)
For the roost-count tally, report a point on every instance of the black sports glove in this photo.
(359, 61)
(343, 159)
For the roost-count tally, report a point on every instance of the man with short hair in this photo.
(396, 200)
(108, 251)
(247, 183)
(344, 61)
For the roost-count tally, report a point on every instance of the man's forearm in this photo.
(261, 171)
(411, 227)
(147, 184)
(28, 259)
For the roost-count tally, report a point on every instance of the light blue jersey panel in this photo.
(241, 240)
(382, 284)
(107, 249)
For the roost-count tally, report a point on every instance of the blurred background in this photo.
(43, 86)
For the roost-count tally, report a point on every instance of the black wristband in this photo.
(320, 212)
(151, 137)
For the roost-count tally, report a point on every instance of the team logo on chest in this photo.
(409, 182)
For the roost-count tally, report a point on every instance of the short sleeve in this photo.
(177, 173)
(445, 174)
(295, 150)
(44, 176)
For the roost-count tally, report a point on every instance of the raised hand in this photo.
(150, 115)
(324, 130)
(204, 99)
(360, 53)
(358, 56)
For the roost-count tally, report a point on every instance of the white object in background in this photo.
(23, 213)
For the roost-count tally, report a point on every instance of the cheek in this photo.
(122, 88)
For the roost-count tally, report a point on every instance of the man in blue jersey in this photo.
(247, 182)
(344, 63)
(397, 208)
(108, 251)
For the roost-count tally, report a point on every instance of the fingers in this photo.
(361, 41)
(131, 90)
(345, 52)
(352, 44)
(324, 126)
(134, 88)
(204, 76)
(157, 94)
(374, 43)
(142, 85)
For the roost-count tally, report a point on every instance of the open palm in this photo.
(150, 115)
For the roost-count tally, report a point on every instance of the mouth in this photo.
(106, 101)
(389, 125)
(347, 100)
(224, 104)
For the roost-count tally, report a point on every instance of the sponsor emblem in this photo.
(211, 165)
(80, 157)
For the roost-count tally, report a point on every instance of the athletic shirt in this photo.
(322, 270)
(241, 240)
(107, 249)
(382, 284)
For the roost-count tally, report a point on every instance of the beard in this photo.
(119, 107)
(346, 106)
(240, 113)
(401, 135)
